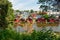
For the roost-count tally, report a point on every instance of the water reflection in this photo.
(21, 29)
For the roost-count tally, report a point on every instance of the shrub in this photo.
(41, 35)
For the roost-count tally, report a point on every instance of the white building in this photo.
(25, 15)
(53, 13)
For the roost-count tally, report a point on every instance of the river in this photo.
(56, 29)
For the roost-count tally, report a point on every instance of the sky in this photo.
(25, 4)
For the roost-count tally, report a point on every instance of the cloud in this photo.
(24, 4)
(19, 6)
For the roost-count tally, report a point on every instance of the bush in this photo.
(41, 35)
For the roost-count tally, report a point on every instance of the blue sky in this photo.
(25, 4)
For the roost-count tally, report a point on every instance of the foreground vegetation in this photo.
(9, 34)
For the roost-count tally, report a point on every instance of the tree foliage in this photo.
(31, 11)
(6, 13)
(49, 4)
(17, 10)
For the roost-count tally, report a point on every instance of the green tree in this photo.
(47, 4)
(43, 5)
(56, 4)
(31, 11)
(45, 16)
(17, 10)
(26, 10)
(45, 8)
(52, 16)
(6, 13)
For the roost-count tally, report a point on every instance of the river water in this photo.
(56, 29)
